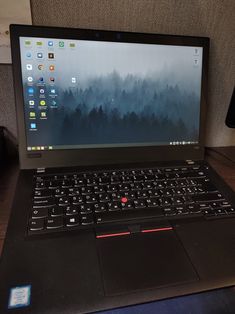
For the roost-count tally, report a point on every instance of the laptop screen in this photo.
(94, 94)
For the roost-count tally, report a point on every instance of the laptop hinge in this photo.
(41, 170)
(190, 162)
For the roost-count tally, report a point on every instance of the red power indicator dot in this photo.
(124, 199)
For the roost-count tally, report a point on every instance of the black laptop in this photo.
(114, 203)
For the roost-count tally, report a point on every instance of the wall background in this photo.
(212, 18)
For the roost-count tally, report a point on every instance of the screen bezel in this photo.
(103, 156)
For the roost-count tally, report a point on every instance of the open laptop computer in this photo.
(114, 203)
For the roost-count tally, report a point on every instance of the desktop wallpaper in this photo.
(98, 94)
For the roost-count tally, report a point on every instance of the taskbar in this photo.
(65, 147)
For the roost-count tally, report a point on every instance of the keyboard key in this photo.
(230, 210)
(54, 223)
(113, 206)
(70, 210)
(36, 224)
(100, 207)
(56, 211)
(85, 208)
(194, 208)
(40, 213)
(118, 216)
(39, 194)
(63, 201)
(45, 202)
(207, 197)
(87, 219)
(72, 221)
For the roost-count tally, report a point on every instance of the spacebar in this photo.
(150, 212)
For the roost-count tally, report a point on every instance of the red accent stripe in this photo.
(112, 235)
(157, 229)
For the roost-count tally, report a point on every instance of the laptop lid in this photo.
(88, 97)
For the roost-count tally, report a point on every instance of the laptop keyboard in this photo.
(80, 200)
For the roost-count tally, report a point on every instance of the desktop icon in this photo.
(39, 55)
(42, 103)
(40, 67)
(29, 67)
(52, 91)
(50, 43)
(28, 55)
(51, 55)
(52, 67)
(27, 43)
(42, 91)
(30, 90)
(30, 79)
(53, 103)
(73, 80)
(72, 45)
(43, 114)
(61, 44)
(32, 114)
(33, 125)
(41, 79)
(31, 102)
(52, 79)
(39, 43)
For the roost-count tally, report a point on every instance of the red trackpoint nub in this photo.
(124, 199)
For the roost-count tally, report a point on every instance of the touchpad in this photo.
(143, 261)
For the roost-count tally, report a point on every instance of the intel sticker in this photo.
(19, 297)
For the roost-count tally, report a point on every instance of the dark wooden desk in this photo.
(221, 301)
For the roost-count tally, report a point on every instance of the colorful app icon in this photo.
(49, 147)
(41, 79)
(42, 91)
(30, 79)
(43, 114)
(39, 55)
(61, 44)
(29, 148)
(29, 67)
(52, 79)
(42, 103)
(42, 147)
(28, 55)
(30, 90)
(33, 125)
(27, 43)
(39, 43)
(31, 102)
(73, 80)
(51, 55)
(32, 114)
(72, 45)
(50, 43)
(53, 91)
(33, 148)
(40, 67)
(52, 67)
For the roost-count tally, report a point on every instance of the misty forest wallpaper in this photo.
(120, 97)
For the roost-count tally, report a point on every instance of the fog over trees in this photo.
(115, 109)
